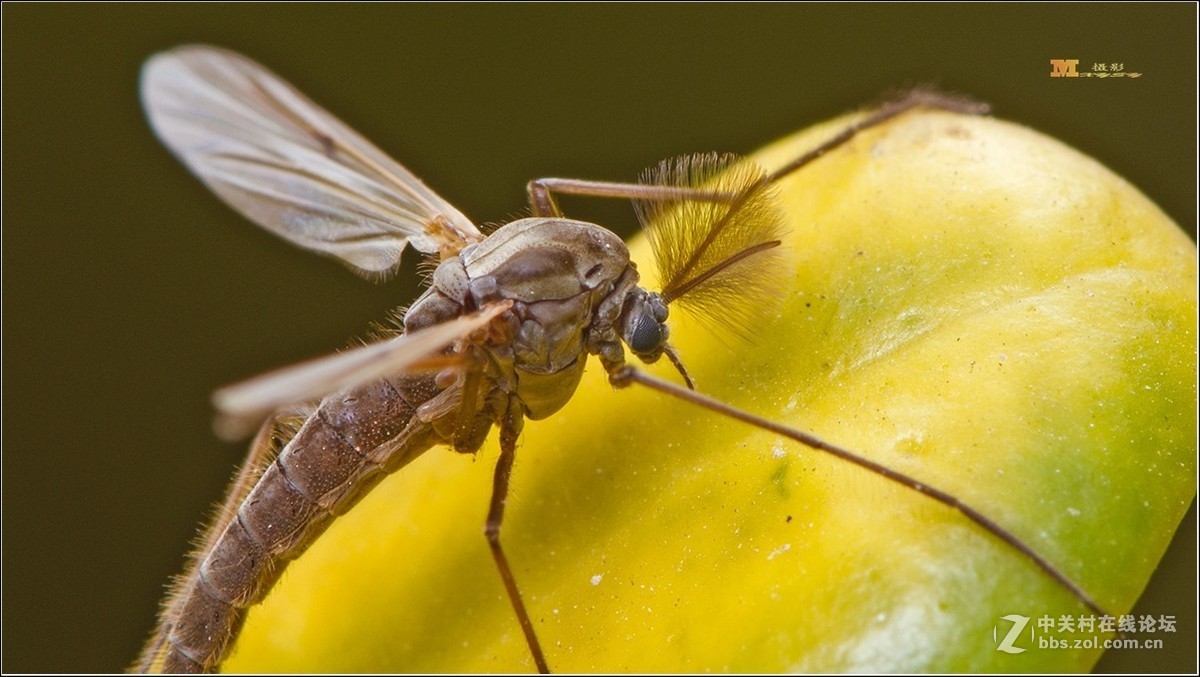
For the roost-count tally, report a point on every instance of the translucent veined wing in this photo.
(286, 164)
(244, 405)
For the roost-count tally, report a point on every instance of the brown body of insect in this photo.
(501, 335)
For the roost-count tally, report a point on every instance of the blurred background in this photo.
(130, 293)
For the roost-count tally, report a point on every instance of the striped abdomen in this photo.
(343, 450)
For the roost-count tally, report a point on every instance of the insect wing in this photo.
(242, 406)
(291, 167)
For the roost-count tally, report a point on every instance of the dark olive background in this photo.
(130, 293)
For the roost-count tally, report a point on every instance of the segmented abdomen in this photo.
(343, 450)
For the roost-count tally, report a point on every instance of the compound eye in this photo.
(647, 336)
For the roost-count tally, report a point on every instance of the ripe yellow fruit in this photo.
(969, 302)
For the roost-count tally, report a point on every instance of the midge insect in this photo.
(501, 335)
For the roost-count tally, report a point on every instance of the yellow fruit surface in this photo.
(966, 300)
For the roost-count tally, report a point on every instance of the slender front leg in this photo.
(541, 200)
(510, 428)
(627, 375)
(911, 99)
(471, 380)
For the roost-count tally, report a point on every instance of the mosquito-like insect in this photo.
(501, 335)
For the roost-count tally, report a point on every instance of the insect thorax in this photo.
(566, 280)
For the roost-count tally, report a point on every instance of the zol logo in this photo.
(1007, 644)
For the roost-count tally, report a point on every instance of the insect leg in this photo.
(472, 378)
(510, 428)
(543, 204)
(914, 98)
(541, 198)
(626, 375)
